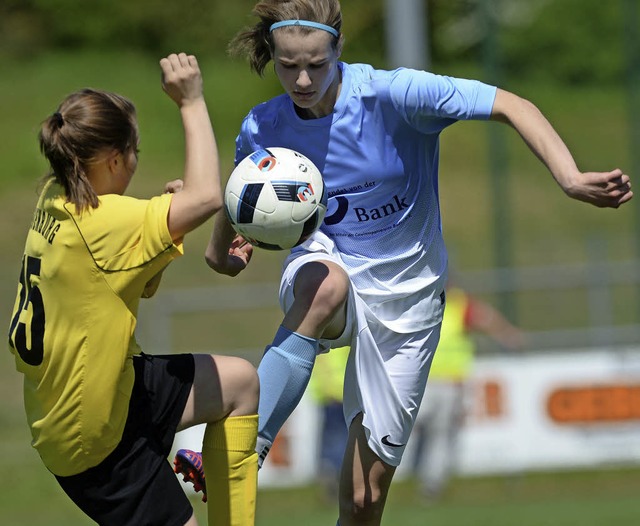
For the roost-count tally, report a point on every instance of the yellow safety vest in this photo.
(327, 379)
(454, 356)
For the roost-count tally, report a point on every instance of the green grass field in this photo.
(547, 228)
(29, 496)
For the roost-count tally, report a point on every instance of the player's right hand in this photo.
(237, 258)
(601, 189)
(240, 253)
(181, 78)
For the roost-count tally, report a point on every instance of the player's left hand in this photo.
(601, 189)
(173, 187)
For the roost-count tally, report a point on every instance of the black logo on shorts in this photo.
(385, 441)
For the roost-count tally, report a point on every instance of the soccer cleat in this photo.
(189, 464)
(262, 455)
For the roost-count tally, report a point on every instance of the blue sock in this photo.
(284, 373)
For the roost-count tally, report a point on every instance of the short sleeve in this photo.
(429, 102)
(244, 144)
(125, 233)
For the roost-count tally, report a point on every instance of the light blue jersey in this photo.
(378, 154)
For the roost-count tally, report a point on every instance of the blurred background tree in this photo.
(535, 40)
(534, 36)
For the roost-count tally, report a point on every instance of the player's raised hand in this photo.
(602, 189)
(181, 78)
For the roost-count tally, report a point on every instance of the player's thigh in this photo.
(222, 386)
(365, 478)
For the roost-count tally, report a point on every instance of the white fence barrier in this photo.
(532, 412)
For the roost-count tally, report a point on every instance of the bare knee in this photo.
(242, 388)
(222, 386)
(321, 284)
(321, 292)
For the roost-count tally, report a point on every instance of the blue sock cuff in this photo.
(295, 344)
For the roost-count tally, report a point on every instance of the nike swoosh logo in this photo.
(385, 441)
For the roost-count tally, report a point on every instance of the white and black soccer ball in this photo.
(275, 198)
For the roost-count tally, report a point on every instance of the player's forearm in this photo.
(538, 134)
(222, 235)
(201, 171)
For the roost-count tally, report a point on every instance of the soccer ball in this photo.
(275, 198)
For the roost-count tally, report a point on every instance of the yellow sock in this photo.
(231, 470)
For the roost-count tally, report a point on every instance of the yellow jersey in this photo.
(73, 322)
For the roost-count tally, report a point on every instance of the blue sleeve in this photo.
(431, 102)
(244, 144)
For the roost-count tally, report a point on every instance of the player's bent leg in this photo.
(364, 482)
(222, 386)
(321, 290)
(225, 396)
(320, 293)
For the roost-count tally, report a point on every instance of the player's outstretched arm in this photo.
(227, 252)
(602, 189)
(200, 193)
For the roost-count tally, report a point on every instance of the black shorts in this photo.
(135, 485)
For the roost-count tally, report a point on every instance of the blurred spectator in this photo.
(441, 414)
(326, 386)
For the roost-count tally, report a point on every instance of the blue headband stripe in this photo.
(305, 23)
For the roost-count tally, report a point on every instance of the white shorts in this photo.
(386, 372)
